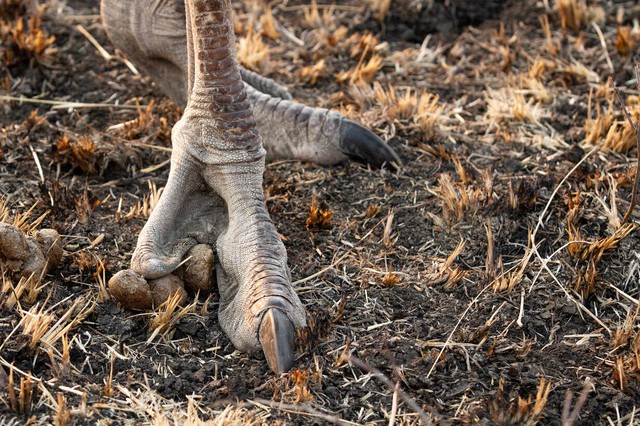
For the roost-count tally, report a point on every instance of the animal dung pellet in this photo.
(51, 245)
(197, 272)
(13, 243)
(131, 290)
(165, 287)
(35, 265)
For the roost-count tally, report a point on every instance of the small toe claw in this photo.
(277, 337)
(362, 145)
(151, 266)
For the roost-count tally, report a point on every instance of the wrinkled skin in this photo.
(214, 192)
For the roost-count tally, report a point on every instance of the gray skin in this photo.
(214, 192)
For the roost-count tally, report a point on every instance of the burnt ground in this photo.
(511, 139)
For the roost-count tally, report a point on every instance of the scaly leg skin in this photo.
(153, 35)
(214, 195)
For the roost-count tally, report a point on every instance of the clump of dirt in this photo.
(491, 280)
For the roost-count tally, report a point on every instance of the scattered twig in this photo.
(394, 406)
(389, 384)
(340, 259)
(301, 409)
(103, 52)
(65, 104)
(636, 132)
(569, 416)
(603, 43)
(38, 165)
(455, 327)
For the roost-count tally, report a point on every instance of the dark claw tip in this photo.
(277, 337)
(364, 146)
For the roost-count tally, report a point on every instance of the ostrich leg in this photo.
(153, 35)
(214, 194)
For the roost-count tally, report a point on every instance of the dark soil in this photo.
(461, 346)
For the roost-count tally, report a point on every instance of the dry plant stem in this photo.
(570, 416)
(300, 409)
(340, 259)
(389, 384)
(394, 406)
(66, 104)
(636, 132)
(447, 342)
(603, 43)
(545, 261)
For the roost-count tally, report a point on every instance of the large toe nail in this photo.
(277, 337)
(362, 145)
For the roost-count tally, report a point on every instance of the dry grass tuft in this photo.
(621, 137)
(154, 409)
(320, 215)
(578, 73)
(313, 19)
(365, 70)
(63, 413)
(28, 44)
(576, 14)
(36, 323)
(573, 14)
(145, 206)
(39, 323)
(540, 67)
(397, 105)
(457, 199)
(22, 402)
(62, 367)
(446, 273)
(166, 316)
(598, 126)
(390, 279)
(402, 106)
(509, 104)
(312, 15)
(624, 40)
(252, 52)
(429, 114)
(101, 280)
(298, 384)
(268, 25)
(380, 8)
(516, 410)
(81, 153)
(589, 254)
(21, 220)
(85, 203)
(372, 211)
(27, 290)
(312, 73)
(625, 342)
(624, 334)
(148, 123)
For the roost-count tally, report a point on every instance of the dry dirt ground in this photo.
(491, 280)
